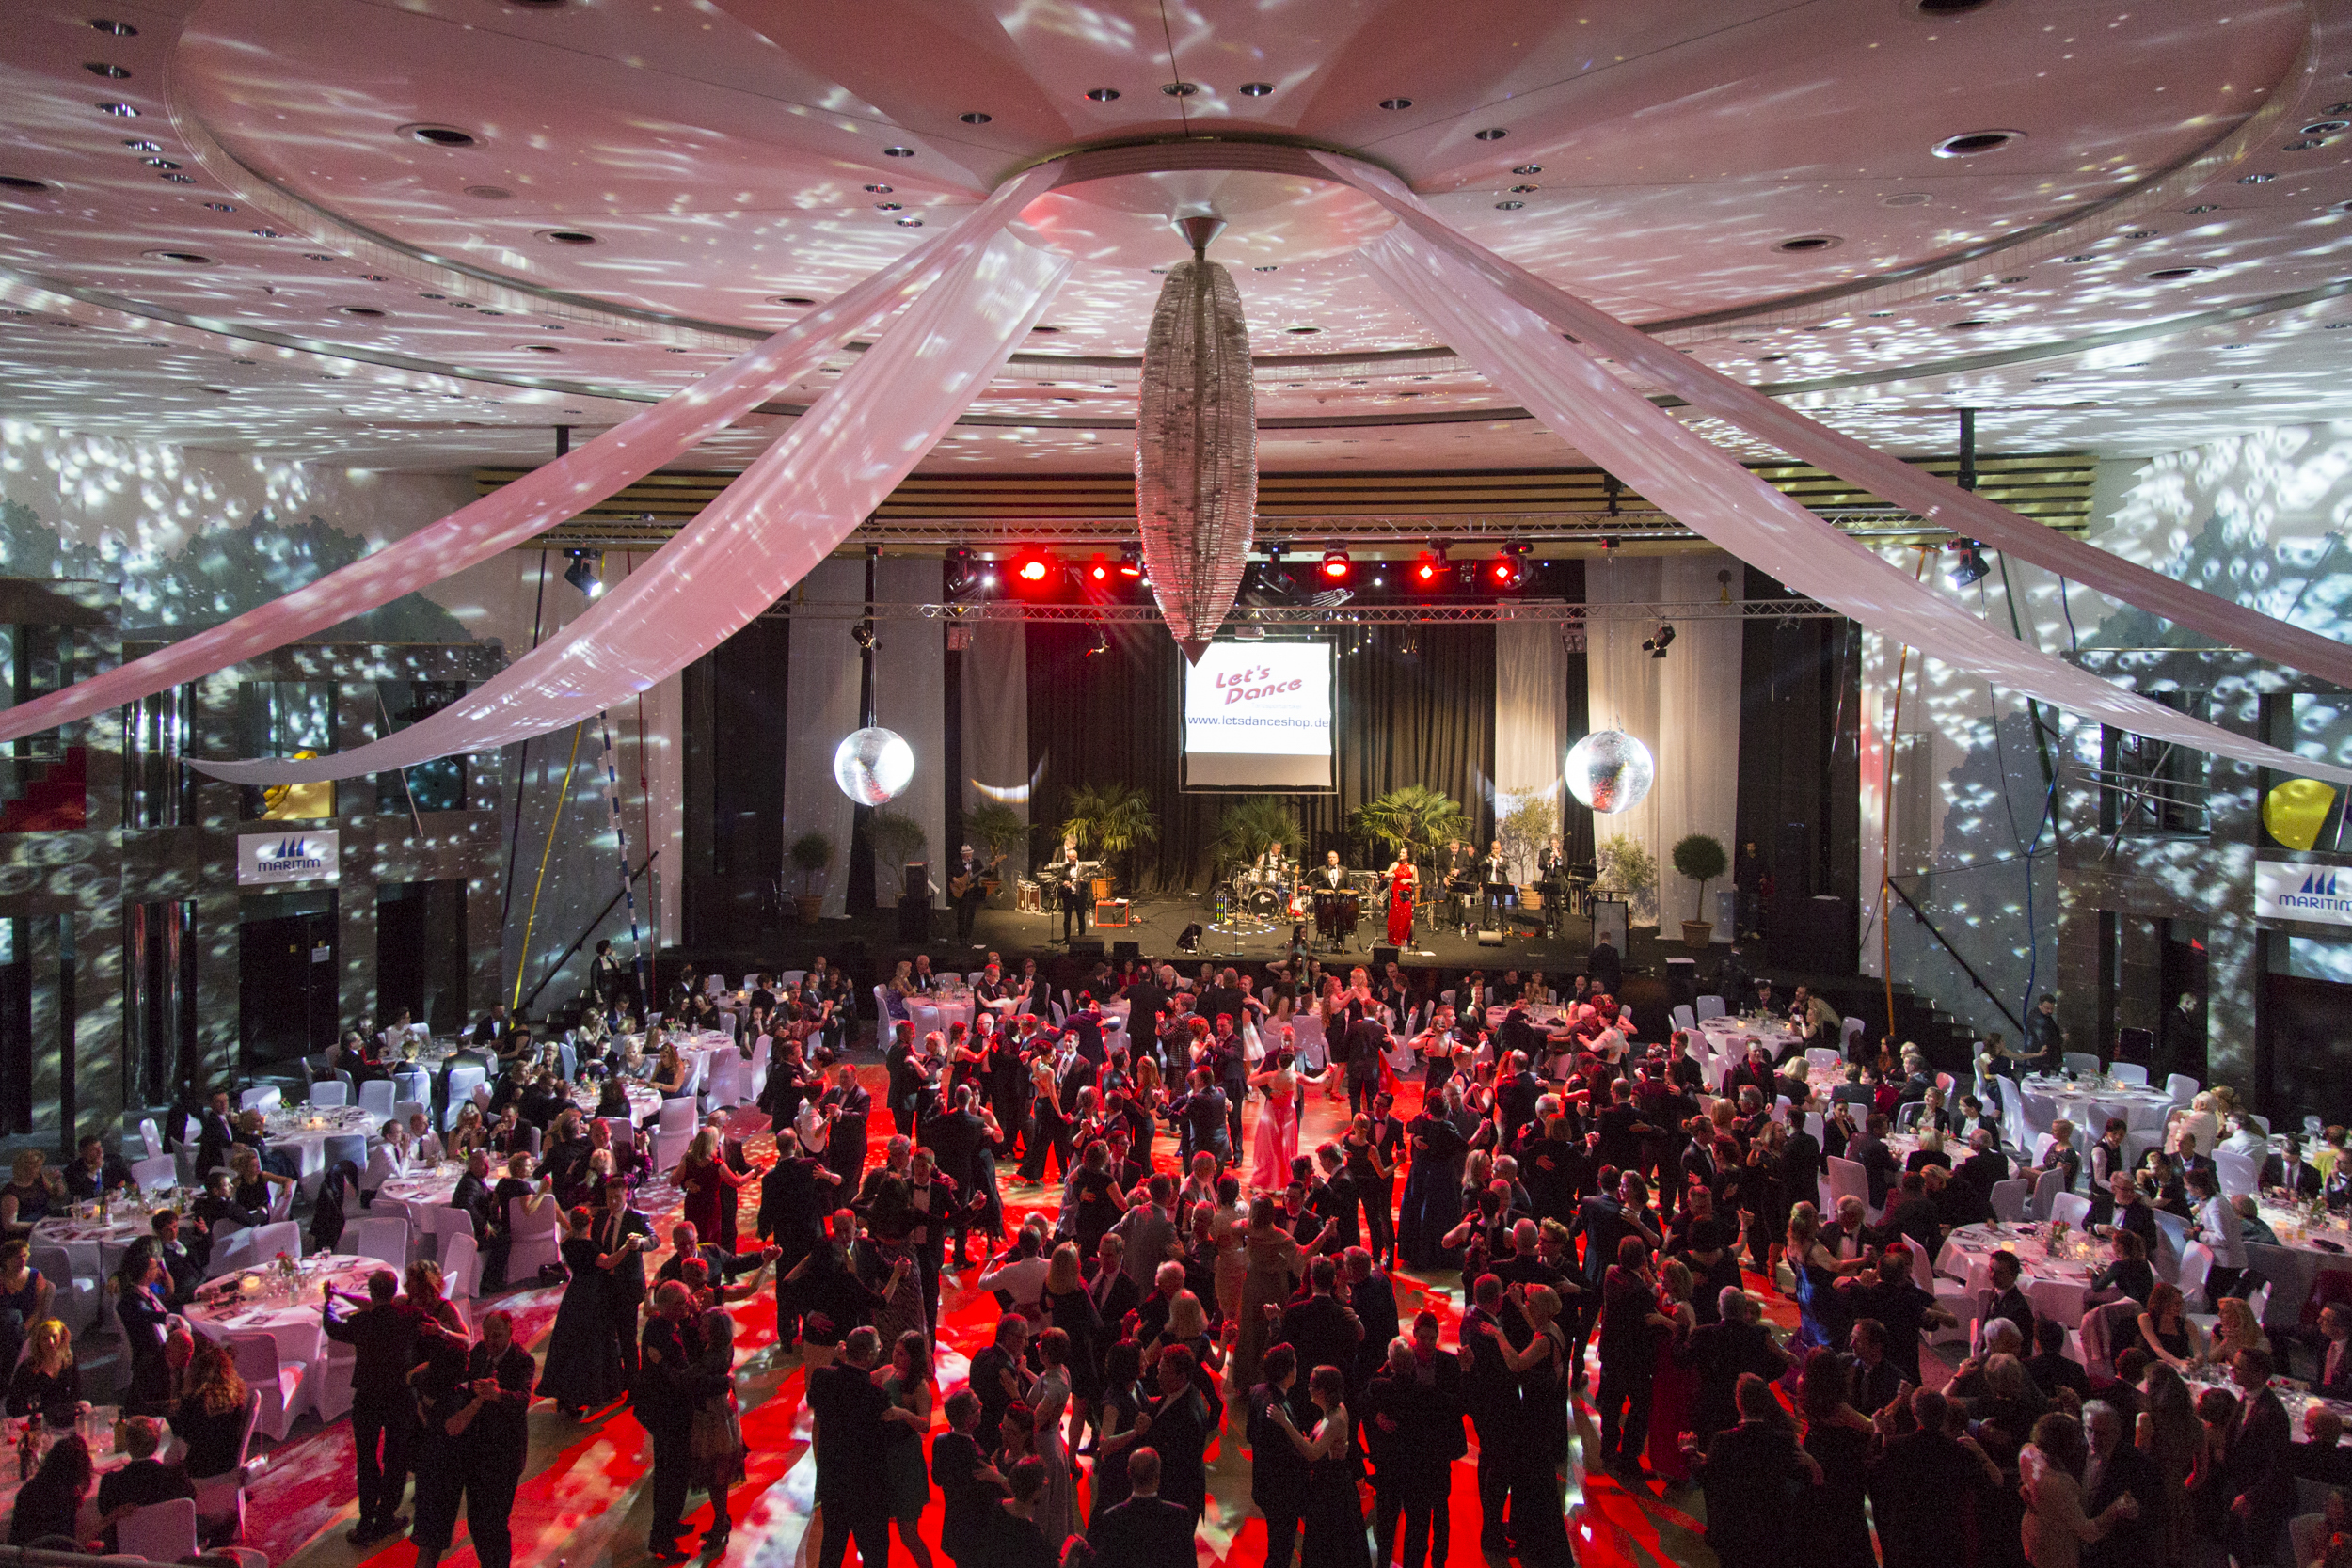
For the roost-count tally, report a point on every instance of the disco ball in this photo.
(873, 767)
(1610, 771)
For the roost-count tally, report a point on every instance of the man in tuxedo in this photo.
(2257, 1468)
(1985, 1165)
(1200, 1115)
(972, 871)
(1877, 1160)
(1146, 1530)
(1876, 1379)
(909, 1078)
(1372, 1298)
(1224, 999)
(2292, 1171)
(2335, 1352)
(1073, 886)
(1604, 1220)
(215, 1134)
(1420, 1403)
(1277, 1477)
(1108, 1284)
(1366, 1040)
(1491, 1395)
(1917, 1481)
(1146, 1000)
(1333, 876)
(1321, 1327)
(1494, 873)
(2116, 1468)
(1604, 966)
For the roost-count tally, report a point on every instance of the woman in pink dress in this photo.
(1674, 1386)
(1277, 1118)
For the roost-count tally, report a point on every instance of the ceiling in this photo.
(265, 257)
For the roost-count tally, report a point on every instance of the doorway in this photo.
(420, 953)
(287, 999)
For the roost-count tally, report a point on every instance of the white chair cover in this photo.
(151, 1136)
(264, 1099)
(2070, 1209)
(1712, 1006)
(461, 1267)
(2128, 1072)
(160, 1533)
(2182, 1088)
(535, 1242)
(155, 1172)
(2010, 1200)
(331, 1091)
(383, 1237)
(2236, 1173)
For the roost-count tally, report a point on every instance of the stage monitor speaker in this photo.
(1126, 950)
(1490, 939)
(1383, 956)
(914, 918)
(918, 883)
(1086, 947)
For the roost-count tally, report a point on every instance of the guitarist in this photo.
(964, 887)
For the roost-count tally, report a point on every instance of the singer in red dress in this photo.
(1403, 879)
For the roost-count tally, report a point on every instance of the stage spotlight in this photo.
(1033, 569)
(1970, 568)
(1509, 569)
(1130, 563)
(1098, 570)
(1660, 642)
(1337, 567)
(863, 635)
(585, 572)
(959, 572)
(1102, 642)
(1429, 570)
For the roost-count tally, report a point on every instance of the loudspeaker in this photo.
(1383, 956)
(1086, 948)
(1490, 939)
(918, 884)
(914, 918)
(1126, 950)
(1787, 944)
(2135, 1045)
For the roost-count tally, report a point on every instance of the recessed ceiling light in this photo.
(1043, 327)
(2304, 146)
(616, 339)
(2173, 275)
(265, 233)
(368, 311)
(909, 223)
(974, 117)
(1971, 324)
(20, 182)
(1509, 206)
(140, 143)
(1906, 198)
(2076, 260)
(159, 163)
(122, 111)
(1304, 331)
(2203, 207)
(219, 207)
(1268, 268)
(898, 153)
(1102, 95)
(112, 73)
(1256, 89)
(1522, 190)
(1969, 144)
(489, 193)
(540, 348)
(114, 29)
(2344, 108)
(567, 236)
(1948, 7)
(178, 179)
(2336, 327)
(1805, 244)
(1396, 103)
(1180, 90)
(2326, 127)
(183, 258)
(783, 299)
(1876, 314)
(2256, 179)
(1492, 133)
(890, 206)
(439, 136)
(1529, 169)
(323, 256)
(880, 190)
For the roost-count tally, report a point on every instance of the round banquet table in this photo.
(429, 1188)
(293, 1131)
(2085, 1102)
(92, 1246)
(226, 1309)
(642, 1101)
(2056, 1284)
(1724, 1042)
(2295, 1265)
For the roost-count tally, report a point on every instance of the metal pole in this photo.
(620, 834)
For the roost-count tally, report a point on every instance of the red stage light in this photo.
(1504, 571)
(1336, 567)
(1033, 571)
(1428, 570)
(1098, 570)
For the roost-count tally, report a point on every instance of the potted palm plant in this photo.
(810, 854)
(1415, 817)
(996, 831)
(1702, 860)
(1249, 824)
(1110, 820)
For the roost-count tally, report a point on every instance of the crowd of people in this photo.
(1575, 1207)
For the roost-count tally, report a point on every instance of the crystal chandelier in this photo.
(1196, 445)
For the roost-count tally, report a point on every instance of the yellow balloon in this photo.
(2296, 810)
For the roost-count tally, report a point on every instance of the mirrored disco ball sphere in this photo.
(873, 767)
(1610, 771)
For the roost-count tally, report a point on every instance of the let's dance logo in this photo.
(1248, 685)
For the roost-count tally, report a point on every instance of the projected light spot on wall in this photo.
(1610, 771)
(873, 766)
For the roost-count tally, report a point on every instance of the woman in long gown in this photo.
(1542, 1368)
(1227, 1225)
(583, 1368)
(1335, 1510)
(1838, 1438)
(908, 1384)
(1674, 1387)
(1433, 1186)
(1277, 1125)
(1049, 1402)
(1275, 1261)
(709, 1184)
(1402, 881)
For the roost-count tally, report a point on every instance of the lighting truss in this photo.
(1275, 617)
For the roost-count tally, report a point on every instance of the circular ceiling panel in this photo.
(1128, 220)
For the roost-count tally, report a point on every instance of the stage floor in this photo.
(1155, 925)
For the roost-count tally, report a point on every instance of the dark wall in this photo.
(735, 739)
(1800, 716)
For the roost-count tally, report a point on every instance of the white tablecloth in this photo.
(1724, 1042)
(293, 1325)
(2295, 1265)
(2086, 1103)
(92, 1246)
(292, 1131)
(2056, 1284)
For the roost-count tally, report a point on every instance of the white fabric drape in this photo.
(910, 697)
(796, 503)
(820, 690)
(1621, 684)
(996, 722)
(1706, 489)
(1530, 704)
(1937, 499)
(547, 496)
(1698, 732)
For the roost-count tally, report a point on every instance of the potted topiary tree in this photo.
(1702, 860)
(996, 831)
(810, 854)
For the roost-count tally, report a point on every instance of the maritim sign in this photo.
(2297, 890)
(310, 857)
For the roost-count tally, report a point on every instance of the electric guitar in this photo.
(959, 886)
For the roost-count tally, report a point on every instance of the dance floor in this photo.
(584, 1501)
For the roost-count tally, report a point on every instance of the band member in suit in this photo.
(1402, 881)
(1552, 876)
(969, 869)
(1333, 876)
(1271, 865)
(1494, 871)
(1071, 881)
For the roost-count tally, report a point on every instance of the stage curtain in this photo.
(910, 697)
(1427, 716)
(1530, 718)
(820, 707)
(1698, 727)
(996, 723)
(1623, 692)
